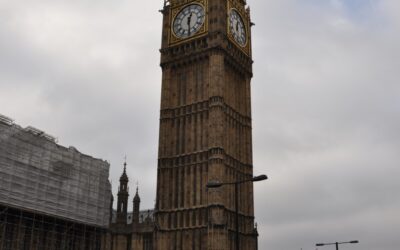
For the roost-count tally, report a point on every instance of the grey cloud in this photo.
(326, 116)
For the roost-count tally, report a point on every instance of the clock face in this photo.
(237, 28)
(188, 21)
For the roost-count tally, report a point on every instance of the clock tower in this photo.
(205, 126)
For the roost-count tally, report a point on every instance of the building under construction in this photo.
(51, 197)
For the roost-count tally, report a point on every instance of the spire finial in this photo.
(137, 198)
(124, 177)
(125, 164)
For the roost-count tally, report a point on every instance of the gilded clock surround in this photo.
(173, 39)
(244, 14)
(230, 12)
(182, 24)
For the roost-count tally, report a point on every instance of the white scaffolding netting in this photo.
(38, 174)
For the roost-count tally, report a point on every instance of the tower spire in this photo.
(125, 164)
(136, 206)
(123, 194)
(124, 176)
(137, 197)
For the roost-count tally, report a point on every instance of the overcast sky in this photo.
(326, 104)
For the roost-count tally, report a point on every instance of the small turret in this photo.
(136, 207)
(136, 198)
(123, 194)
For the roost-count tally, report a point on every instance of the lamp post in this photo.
(236, 183)
(336, 243)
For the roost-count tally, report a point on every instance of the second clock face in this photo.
(237, 28)
(188, 21)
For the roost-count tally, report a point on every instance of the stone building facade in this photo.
(56, 198)
(205, 126)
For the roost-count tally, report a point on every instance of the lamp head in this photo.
(259, 178)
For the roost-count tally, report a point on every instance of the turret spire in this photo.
(136, 206)
(122, 203)
(124, 176)
(136, 198)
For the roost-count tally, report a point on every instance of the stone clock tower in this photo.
(205, 126)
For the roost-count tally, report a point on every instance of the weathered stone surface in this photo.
(205, 134)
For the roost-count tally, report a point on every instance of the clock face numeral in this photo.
(237, 28)
(188, 21)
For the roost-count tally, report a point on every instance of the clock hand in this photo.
(188, 22)
(237, 26)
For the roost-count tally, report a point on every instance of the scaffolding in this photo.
(37, 174)
(21, 229)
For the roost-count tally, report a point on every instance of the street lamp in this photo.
(336, 243)
(214, 184)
